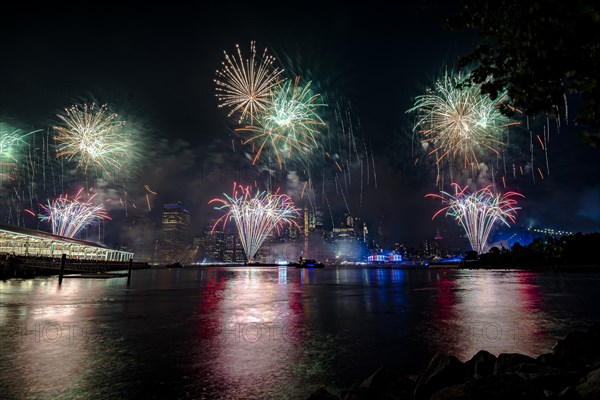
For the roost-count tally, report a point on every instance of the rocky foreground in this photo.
(570, 371)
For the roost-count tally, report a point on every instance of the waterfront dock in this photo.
(29, 267)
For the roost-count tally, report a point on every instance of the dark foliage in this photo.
(575, 250)
(541, 51)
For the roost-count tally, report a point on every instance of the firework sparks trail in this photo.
(346, 153)
(244, 85)
(9, 143)
(329, 208)
(68, 216)
(546, 141)
(361, 183)
(374, 170)
(531, 150)
(255, 216)
(458, 121)
(25, 168)
(337, 182)
(478, 212)
(149, 190)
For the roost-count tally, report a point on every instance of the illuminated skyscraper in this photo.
(306, 226)
(306, 222)
(220, 245)
(212, 241)
(176, 221)
(234, 251)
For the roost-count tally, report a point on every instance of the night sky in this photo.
(156, 65)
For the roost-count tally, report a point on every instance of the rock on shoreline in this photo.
(571, 371)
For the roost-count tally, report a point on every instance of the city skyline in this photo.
(160, 81)
(300, 200)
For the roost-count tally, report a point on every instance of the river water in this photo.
(280, 333)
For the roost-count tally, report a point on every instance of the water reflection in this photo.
(239, 333)
(495, 311)
(255, 332)
(44, 337)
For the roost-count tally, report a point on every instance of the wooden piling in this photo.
(63, 261)
(129, 272)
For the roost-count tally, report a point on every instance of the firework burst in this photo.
(68, 216)
(255, 216)
(244, 85)
(289, 124)
(11, 143)
(459, 122)
(478, 212)
(93, 137)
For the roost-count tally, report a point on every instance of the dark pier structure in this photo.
(28, 253)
